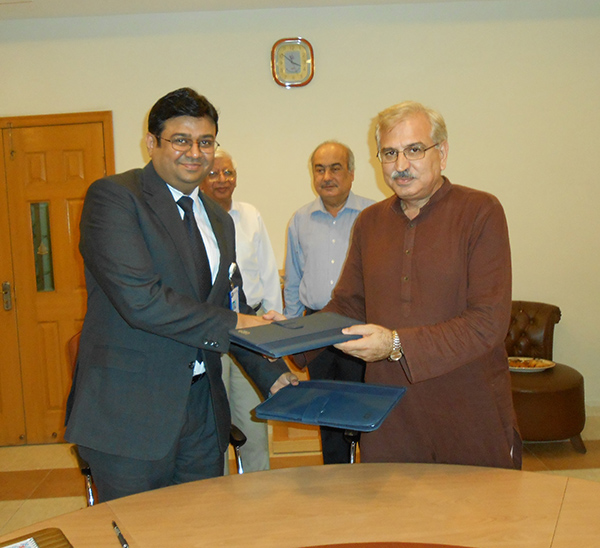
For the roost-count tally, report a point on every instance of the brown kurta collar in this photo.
(438, 195)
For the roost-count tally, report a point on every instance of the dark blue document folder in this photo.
(339, 404)
(296, 335)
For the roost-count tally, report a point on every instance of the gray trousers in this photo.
(194, 456)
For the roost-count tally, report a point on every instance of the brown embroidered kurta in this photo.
(443, 281)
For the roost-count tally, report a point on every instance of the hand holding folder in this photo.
(296, 335)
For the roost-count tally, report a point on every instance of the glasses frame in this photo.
(424, 151)
(204, 150)
(227, 173)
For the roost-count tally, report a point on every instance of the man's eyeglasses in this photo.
(227, 173)
(411, 152)
(183, 144)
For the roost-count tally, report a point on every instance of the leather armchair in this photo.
(549, 405)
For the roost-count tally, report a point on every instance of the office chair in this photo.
(73, 350)
(90, 497)
(352, 437)
(236, 437)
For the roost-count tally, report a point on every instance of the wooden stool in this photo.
(550, 405)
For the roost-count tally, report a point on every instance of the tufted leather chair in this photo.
(531, 332)
(549, 405)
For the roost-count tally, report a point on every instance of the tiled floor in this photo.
(37, 482)
(42, 481)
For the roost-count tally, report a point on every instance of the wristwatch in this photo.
(397, 351)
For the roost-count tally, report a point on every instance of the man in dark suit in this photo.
(148, 407)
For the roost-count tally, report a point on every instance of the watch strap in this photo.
(397, 350)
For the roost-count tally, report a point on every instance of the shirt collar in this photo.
(178, 194)
(234, 206)
(351, 204)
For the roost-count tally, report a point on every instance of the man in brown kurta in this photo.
(429, 272)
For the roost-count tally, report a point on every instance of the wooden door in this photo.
(48, 163)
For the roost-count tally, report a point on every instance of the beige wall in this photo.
(518, 83)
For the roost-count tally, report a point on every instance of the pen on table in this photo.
(120, 535)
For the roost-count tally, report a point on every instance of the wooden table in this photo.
(369, 503)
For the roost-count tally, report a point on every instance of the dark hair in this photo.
(181, 102)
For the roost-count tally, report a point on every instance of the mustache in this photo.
(405, 174)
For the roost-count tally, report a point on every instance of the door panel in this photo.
(48, 168)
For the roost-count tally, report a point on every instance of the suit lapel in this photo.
(160, 200)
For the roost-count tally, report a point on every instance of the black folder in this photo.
(339, 404)
(295, 335)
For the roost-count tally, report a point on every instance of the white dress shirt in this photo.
(210, 242)
(256, 258)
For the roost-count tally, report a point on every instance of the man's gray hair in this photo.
(395, 114)
(222, 153)
(333, 142)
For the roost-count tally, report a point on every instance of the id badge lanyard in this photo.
(234, 293)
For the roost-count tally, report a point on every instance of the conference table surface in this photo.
(390, 504)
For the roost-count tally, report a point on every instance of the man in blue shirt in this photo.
(317, 242)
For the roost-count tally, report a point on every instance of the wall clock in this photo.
(292, 62)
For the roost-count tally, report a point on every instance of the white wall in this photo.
(518, 84)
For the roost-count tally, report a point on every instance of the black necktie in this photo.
(196, 246)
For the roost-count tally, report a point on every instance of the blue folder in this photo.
(339, 404)
(295, 335)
